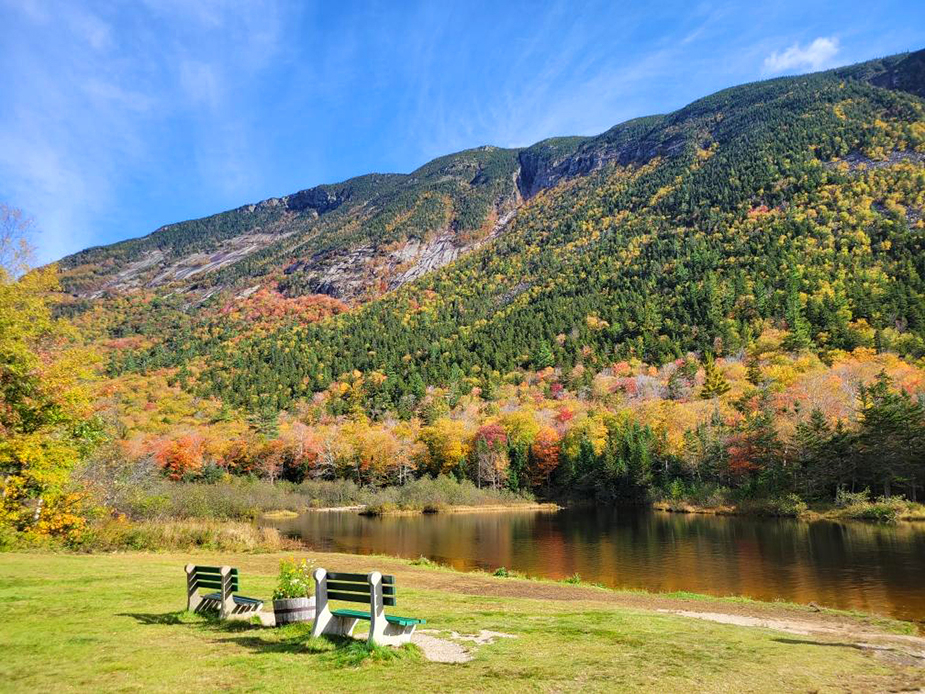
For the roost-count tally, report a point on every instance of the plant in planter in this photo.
(292, 599)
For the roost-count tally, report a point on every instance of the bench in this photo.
(225, 600)
(374, 589)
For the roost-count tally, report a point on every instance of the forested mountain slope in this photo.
(723, 305)
(357, 239)
(795, 202)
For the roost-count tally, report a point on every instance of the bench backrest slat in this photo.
(212, 570)
(356, 578)
(211, 577)
(355, 588)
(349, 597)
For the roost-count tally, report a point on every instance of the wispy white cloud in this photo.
(816, 56)
(120, 117)
(96, 96)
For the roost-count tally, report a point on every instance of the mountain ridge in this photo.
(345, 239)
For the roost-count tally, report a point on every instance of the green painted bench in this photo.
(225, 599)
(374, 589)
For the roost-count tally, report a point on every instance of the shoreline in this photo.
(366, 510)
(542, 507)
(807, 516)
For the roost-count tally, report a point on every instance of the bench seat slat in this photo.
(239, 599)
(357, 614)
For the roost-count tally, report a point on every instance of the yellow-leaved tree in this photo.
(46, 417)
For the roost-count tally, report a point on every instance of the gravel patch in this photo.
(450, 650)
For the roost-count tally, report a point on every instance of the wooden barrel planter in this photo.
(293, 610)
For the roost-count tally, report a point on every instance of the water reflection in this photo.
(852, 566)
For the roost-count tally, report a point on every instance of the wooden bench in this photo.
(225, 600)
(375, 590)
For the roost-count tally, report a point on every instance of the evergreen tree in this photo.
(715, 384)
(542, 357)
(798, 338)
(265, 420)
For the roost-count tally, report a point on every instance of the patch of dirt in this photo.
(895, 648)
(450, 650)
(440, 650)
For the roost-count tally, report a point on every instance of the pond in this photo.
(844, 565)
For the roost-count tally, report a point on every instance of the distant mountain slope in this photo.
(796, 202)
(357, 239)
(362, 226)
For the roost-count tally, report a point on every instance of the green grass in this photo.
(115, 622)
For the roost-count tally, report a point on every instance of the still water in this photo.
(845, 565)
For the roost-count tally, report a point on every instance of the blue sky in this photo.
(118, 117)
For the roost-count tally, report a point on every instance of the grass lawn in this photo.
(115, 622)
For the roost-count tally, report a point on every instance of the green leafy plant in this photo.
(295, 579)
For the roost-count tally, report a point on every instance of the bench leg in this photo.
(327, 623)
(193, 599)
(228, 606)
(243, 612)
(394, 634)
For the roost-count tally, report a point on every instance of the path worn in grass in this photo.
(114, 622)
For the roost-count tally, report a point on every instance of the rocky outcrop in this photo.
(318, 199)
(907, 75)
(549, 163)
(360, 273)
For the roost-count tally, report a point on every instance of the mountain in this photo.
(795, 201)
(356, 239)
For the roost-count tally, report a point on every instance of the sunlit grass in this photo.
(111, 622)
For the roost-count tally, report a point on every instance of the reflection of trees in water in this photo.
(851, 565)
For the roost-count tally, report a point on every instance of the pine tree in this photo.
(543, 357)
(266, 421)
(715, 384)
(799, 338)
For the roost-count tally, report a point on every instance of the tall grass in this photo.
(165, 535)
(240, 499)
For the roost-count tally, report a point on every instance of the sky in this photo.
(119, 117)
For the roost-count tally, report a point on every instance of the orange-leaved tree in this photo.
(544, 455)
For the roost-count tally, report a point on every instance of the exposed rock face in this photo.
(362, 272)
(154, 269)
(856, 160)
(908, 75)
(317, 199)
(546, 165)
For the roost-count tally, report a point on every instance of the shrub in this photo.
(788, 505)
(424, 561)
(846, 499)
